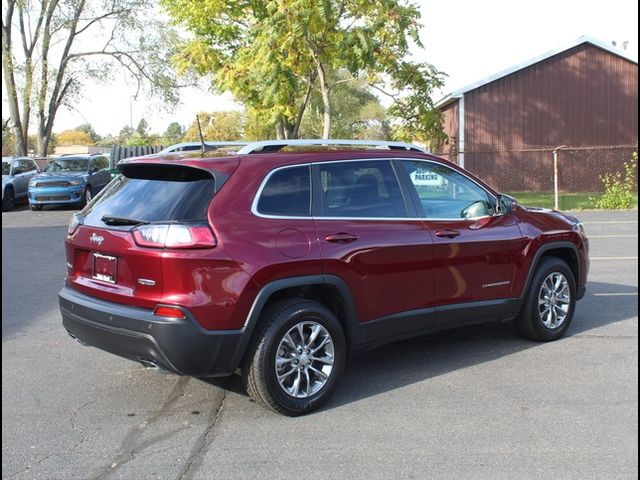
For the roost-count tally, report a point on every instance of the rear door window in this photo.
(154, 193)
(361, 189)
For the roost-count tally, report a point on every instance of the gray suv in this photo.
(16, 173)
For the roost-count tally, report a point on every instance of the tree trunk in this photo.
(326, 102)
(17, 132)
(296, 126)
(279, 130)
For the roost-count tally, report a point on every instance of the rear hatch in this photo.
(115, 245)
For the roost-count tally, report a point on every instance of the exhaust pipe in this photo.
(77, 339)
(151, 365)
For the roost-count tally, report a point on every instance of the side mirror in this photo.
(506, 204)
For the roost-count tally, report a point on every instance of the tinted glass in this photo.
(68, 165)
(287, 193)
(100, 163)
(360, 190)
(155, 194)
(27, 165)
(447, 194)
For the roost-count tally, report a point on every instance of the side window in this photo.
(101, 163)
(287, 193)
(360, 190)
(447, 194)
(16, 168)
(26, 165)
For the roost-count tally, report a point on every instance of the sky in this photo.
(468, 40)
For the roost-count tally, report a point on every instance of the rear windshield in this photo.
(154, 194)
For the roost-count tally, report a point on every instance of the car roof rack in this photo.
(270, 146)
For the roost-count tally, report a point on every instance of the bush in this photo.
(619, 187)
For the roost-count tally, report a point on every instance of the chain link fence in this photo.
(533, 173)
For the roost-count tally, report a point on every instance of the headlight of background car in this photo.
(76, 182)
(33, 182)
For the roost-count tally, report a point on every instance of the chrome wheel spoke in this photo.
(287, 338)
(307, 391)
(319, 373)
(285, 375)
(295, 388)
(325, 360)
(314, 334)
(322, 345)
(283, 361)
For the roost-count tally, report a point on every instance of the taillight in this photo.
(174, 235)
(76, 220)
(168, 311)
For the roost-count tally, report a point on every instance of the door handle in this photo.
(447, 233)
(341, 238)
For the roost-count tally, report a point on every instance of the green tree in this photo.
(357, 114)
(217, 126)
(142, 130)
(125, 134)
(45, 65)
(272, 55)
(88, 129)
(174, 132)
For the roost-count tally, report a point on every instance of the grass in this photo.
(568, 201)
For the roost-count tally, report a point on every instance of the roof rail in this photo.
(268, 146)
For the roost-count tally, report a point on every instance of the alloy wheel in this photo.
(304, 359)
(554, 300)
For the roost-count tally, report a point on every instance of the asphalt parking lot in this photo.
(477, 402)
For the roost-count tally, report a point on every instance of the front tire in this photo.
(296, 357)
(8, 200)
(550, 303)
(87, 196)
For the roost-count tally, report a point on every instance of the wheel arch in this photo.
(330, 290)
(565, 251)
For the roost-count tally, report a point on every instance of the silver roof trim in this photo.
(532, 61)
(255, 147)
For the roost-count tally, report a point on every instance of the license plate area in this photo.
(105, 268)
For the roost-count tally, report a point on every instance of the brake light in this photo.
(76, 220)
(174, 236)
(168, 311)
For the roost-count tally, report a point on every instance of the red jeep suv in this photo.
(281, 258)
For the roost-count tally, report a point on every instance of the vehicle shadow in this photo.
(418, 359)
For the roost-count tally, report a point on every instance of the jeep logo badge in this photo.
(96, 239)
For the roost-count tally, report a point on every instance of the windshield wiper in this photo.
(109, 220)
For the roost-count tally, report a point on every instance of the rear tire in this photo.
(550, 303)
(296, 357)
(8, 200)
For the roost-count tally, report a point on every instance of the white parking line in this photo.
(614, 236)
(615, 294)
(613, 258)
(611, 222)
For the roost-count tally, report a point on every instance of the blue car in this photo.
(70, 179)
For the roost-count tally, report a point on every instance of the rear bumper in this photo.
(177, 345)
